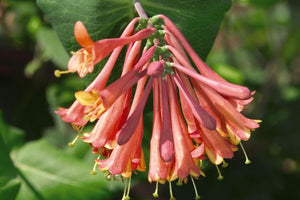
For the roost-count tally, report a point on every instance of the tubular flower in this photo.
(195, 115)
(91, 53)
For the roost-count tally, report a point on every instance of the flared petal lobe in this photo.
(81, 35)
(84, 59)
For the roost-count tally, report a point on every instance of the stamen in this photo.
(77, 128)
(220, 177)
(72, 144)
(94, 172)
(58, 73)
(171, 192)
(95, 111)
(246, 157)
(225, 164)
(155, 194)
(108, 177)
(195, 188)
(79, 132)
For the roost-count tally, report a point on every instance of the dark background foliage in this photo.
(257, 46)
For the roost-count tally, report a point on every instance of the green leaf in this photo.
(13, 137)
(198, 19)
(51, 47)
(10, 190)
(9, 182)
(229, 73)
(264, 3)
(55, 175)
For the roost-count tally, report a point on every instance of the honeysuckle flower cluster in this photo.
(196, 115)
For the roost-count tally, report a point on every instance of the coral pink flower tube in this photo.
(157, 167)
(75, 114)
(166, 137)
(186, 110)
(199, 112)
(115, 89)
(108, 124)
(203, 68)
(103, 47)
(132, 122)
(224, 88)
(184, 163)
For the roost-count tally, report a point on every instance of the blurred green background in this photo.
(258, 46)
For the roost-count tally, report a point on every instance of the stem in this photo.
(139, 9)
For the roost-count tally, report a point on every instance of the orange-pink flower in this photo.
(195, 115)
(91, 53)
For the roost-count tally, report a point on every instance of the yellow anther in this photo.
(108, 177)
(58, 73)
(179, 182)
(72, 144)
(195, 188)
(155, 194)
(94, 172)
(220, 177)
(225, 164)
(247, 161)
(258, 120)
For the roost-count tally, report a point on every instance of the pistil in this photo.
(195, 188)
(220, 177)
(247, 161)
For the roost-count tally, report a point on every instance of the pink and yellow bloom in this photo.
(195, 115)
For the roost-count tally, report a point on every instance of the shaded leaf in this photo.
(9, 182)
(13, 137)
(55, 175)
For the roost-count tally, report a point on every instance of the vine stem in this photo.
(139, 9)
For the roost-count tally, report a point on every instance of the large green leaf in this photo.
(52, 174)
(198, 19)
